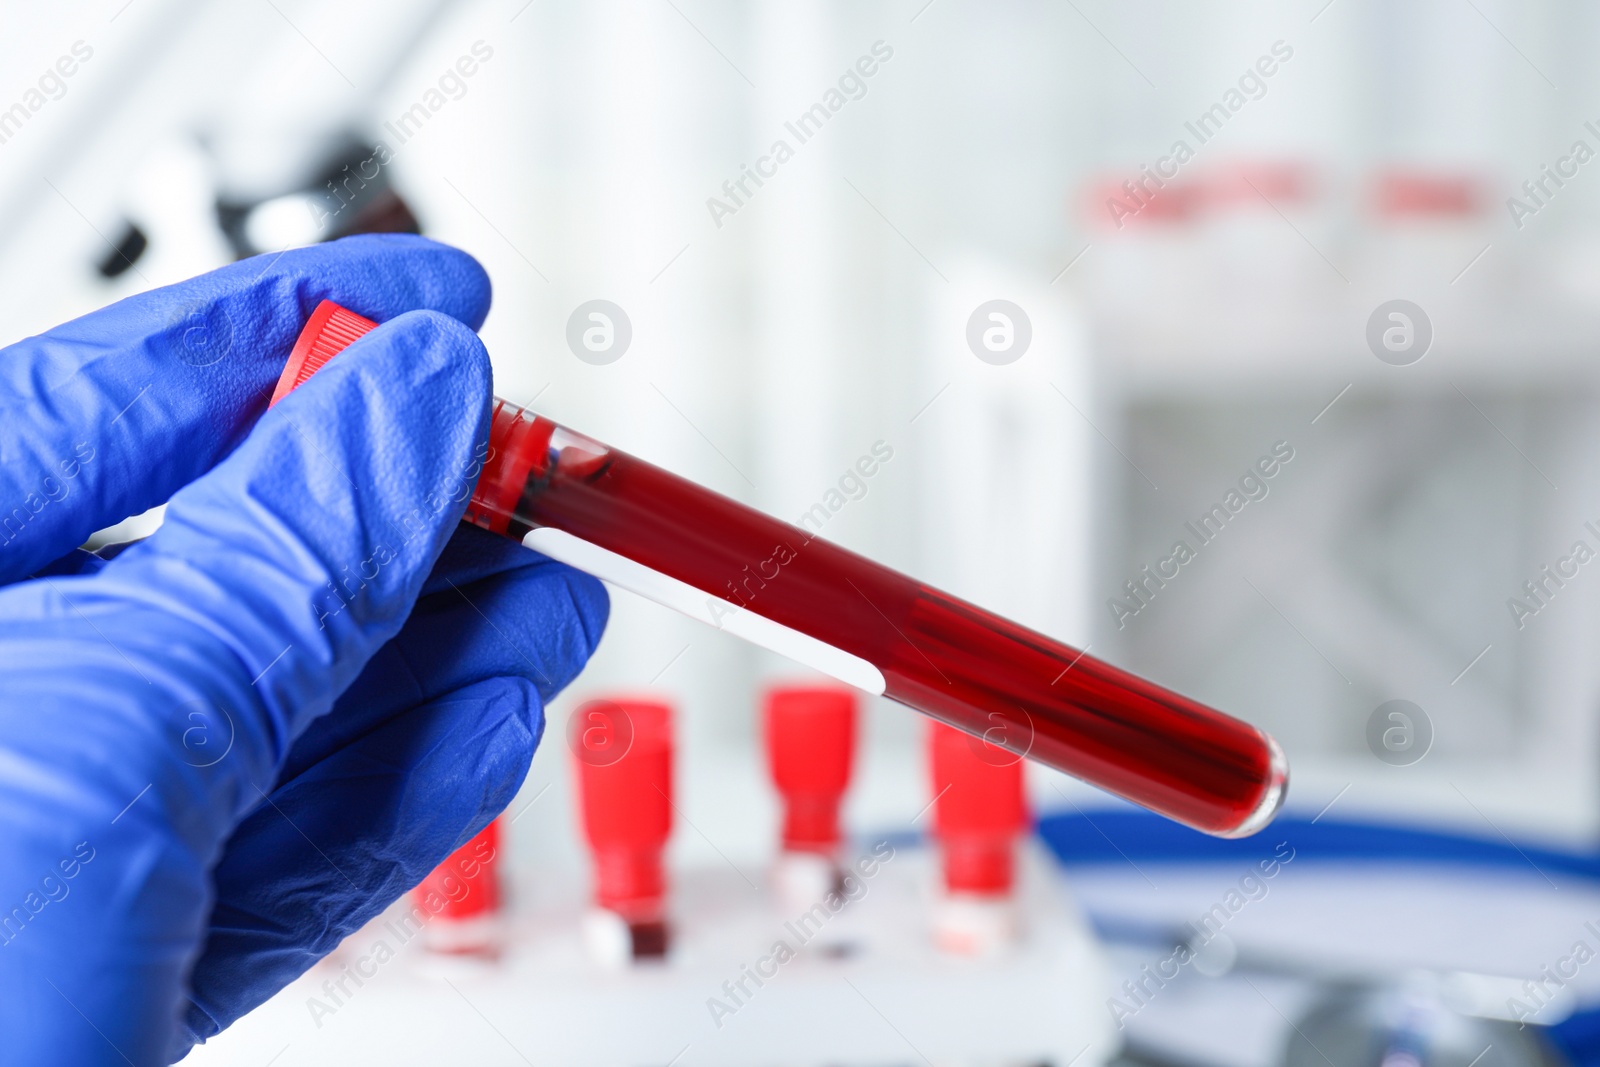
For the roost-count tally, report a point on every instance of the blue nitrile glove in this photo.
(184, 826)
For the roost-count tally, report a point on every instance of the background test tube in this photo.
(684, 546)
(978, 813)
(810, 735)
(463, 896)
(624, 778)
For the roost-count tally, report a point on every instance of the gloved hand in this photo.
(237, 741)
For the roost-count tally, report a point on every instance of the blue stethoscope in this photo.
(1398, 1019)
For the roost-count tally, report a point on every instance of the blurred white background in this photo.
(1172, 346)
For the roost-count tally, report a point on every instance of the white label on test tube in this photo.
(713, 611)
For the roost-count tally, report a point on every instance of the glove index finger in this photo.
(110, 414)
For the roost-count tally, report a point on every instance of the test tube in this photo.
(462, 896)
(978, 813)
(659, 535)
(623, 755)
(810, 734)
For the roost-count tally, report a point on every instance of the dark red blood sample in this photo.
(1022, 691)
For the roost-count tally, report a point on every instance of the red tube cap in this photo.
(979, 811)
(330, 330)
(810, 749)
(625, 801)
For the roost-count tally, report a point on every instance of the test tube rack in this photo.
(756, 970)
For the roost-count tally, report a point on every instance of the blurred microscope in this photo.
(281, 162)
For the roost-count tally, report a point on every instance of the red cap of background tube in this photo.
(466, 884)
(978, 813)
(810, 749)
(625, 802)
